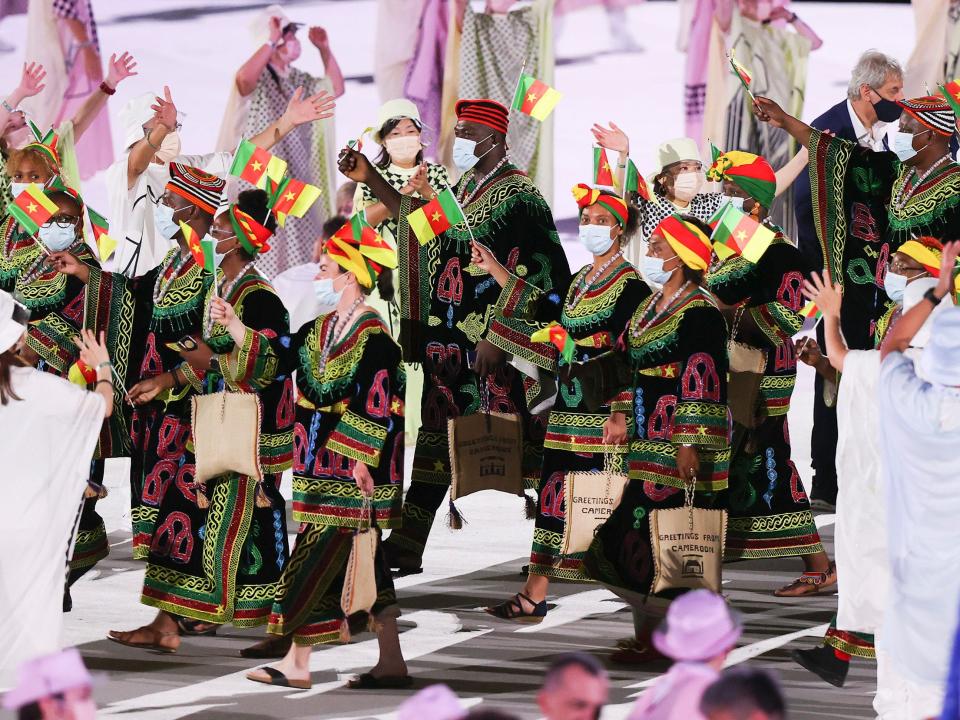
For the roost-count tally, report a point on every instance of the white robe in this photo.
(47, 440)
(920, 441)
(860, 544)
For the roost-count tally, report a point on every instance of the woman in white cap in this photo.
(48, 430)
(263, 86)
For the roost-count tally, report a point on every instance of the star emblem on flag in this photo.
(531, 97)
(435, 217)
(32, 208)
(257, 165)
(741, 235)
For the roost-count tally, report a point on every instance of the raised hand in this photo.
(948, 262)
(31, 80)
(824, 293)
(808, 351)
(221, 312)
(302, 110)
(354, 165)
(318, 36)
(165, 111)
(611, 138)
(93, 351)
(120, 68)
(276, 30)
(481, 256)
(769, 112)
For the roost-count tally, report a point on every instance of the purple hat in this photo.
(437, 702)
(47, 675)
(699, 626)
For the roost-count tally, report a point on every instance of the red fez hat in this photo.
(484, 112)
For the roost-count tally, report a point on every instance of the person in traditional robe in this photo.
(348, 468)
(48, 430)
(867, 204)
(444, 304)
(593, 309)
(919, 410)
(861, 550)
(151, 142)
(769, 510)
(234, 518)
(264, 85)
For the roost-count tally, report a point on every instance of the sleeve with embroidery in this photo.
(700, 418)
(362, 431)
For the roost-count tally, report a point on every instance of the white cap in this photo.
(396, 108)
(13, 321)
(677, 150)
(260, 27)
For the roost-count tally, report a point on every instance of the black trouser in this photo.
(823, 440)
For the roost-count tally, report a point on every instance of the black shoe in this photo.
(401, 562)
(67, 600)
(823, 662)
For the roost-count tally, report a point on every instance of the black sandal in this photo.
(366, 681)
(189, 627)
(279, 679)
(512, 610)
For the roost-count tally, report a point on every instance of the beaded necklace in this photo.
(226, 287)
(331, 338)
(637, 328)
(171, 267)
(584, 285)
(901, 196)
(464, 200)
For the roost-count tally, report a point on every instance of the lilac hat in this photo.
(699, 626)
(437, 702)
(47, 675)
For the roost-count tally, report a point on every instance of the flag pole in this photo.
(465, 221)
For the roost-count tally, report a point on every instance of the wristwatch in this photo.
(931, 295)
(215, 365)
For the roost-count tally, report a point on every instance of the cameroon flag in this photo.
(105, 244)
(743, 75)
(810, 310)
(202, 250)
(535, 98)
(255, 165)
(742, 234)
(32, 208)
(951, 93)
(293, 197)
(557, 335)
(633, 181)
(602, 172)
(437, 216)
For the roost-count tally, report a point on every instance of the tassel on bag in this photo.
(454, 518)
(530, 507)
(345, 631)
(94, 490)
(261, 499)
(203, 502)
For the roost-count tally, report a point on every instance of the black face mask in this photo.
(887, 110)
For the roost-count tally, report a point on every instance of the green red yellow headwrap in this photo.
(688, 241)
(749, 172)
(45, 144)
(252, 235)
(587, 196)
(56, 184)
(926, 251)
(358, 248)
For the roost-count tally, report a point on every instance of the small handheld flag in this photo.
(534, 97)
(743, 75)
(742, 234)
(256, 165)
(101, 229)
(437, 216)
(81, 374)
(810, 310)
(358, 143)
(202, 250)
(292, 197)
(633, 181)
(602, 172)
(951, 93)
(32, 208)
(557, 335)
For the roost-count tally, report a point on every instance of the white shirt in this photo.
(131, 211)
(920, 438)
(47, 439)
(873, 138)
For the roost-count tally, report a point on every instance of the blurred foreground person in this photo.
(53, 687)
(575, 687)
(744, 694)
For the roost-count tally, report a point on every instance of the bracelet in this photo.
(176, 383)
(106, 89)
(104, 364)
(147, 138)
(931, 296)
(109, 381)
(621, 165)
(6, 106)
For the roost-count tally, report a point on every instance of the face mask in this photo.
(163, 219)
(903, 145)
(169, 147)
(652, 268)
(737, 202)
(217, 256)
(464, 155)
(895, 284)
(403, 149)
(687, 185)
(596, 238)
(18, 187)
(57, 238)
(887, 110)
(325, 293)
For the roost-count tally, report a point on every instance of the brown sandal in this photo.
(811, 583)
(122, 637)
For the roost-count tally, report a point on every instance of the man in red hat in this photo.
(446, 305)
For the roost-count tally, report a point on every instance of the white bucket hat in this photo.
(396, 108)
(677, 150)
(14, 318)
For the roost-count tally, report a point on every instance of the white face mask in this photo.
(169, 147)
(217, 256)
(687, 184)
(18, 187)
(56, 238)
(596, 238)
(163, 216)
(652, 268)
(464, 152)
(903, 144)
(895, 285)
(403, 149)
(737, 202)
(325, 293)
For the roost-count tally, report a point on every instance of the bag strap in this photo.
(366, 511)
(690, 487)
(735, 326)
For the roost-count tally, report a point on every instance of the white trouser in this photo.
(901, 698)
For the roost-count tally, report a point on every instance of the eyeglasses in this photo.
(63, 221)
(901, 268)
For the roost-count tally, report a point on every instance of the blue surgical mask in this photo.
(18, 187)
(56, 238)
(325, 293)
(464, 152)
(737, 202)
(903, 144)
(163, 219)
(652, 268)
(596, 238)
(895, 284)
